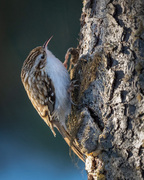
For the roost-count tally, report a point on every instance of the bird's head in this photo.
(36, 59)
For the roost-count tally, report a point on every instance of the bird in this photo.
(47, 83)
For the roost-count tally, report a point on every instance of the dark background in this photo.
(28, 149)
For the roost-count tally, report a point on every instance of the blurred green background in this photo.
(28, 149)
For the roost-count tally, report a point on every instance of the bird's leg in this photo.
(66, 58)
(74, 57)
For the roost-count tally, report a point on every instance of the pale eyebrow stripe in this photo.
(32, 55)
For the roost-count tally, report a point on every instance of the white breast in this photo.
(61, 81)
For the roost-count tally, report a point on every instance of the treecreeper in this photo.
(47, 83)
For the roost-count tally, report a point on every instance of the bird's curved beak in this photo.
(46, 43)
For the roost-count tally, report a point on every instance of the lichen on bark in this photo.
(109, 116)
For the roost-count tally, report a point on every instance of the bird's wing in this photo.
(49, 92)
(67, 138)
(42, 96)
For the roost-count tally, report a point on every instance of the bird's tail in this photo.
(67, 138)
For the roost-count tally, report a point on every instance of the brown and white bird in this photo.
(47, 83)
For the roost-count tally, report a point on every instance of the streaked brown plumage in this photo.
(46, 82)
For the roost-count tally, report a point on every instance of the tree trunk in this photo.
(108, 118)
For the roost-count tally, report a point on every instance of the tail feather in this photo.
(67, 138)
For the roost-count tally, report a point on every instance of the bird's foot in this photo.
(74, 57)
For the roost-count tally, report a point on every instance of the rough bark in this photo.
(108, 120)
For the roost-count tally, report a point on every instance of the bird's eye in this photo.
(42, 57)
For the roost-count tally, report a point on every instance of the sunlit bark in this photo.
(110, 71)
